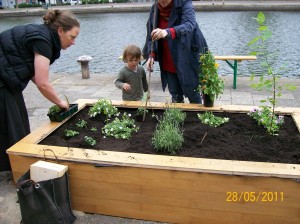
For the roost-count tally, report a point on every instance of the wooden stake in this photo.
(203, 138)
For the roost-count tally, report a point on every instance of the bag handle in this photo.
(53, 154)
(25, 184)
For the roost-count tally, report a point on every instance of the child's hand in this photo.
(126, 87)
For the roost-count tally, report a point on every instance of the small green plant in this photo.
(141, 110)
(103, 106)
(81, 124)
(70, 133)
(269, 79)
(120, 127)
(210, 82)
(175, 114)
(90, 141)
(212, 120)
(266, 118)
(54, 110)
(93, 129)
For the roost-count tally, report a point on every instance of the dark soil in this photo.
(239, 139)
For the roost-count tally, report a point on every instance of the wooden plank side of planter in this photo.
(230, 167)
(191, 107)
(175, 196)
(296, 117)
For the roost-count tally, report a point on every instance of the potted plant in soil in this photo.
(211, 85)
(57, 114)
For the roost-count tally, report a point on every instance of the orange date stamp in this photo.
(252, 196)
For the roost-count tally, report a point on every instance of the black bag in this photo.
(45, 202)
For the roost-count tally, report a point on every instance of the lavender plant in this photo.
(168, 136)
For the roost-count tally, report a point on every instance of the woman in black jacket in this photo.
(26, 53)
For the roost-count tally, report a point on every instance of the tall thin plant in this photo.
(269, 77)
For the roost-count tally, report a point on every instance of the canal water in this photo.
(104, 36)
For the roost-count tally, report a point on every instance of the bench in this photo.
(233, 65)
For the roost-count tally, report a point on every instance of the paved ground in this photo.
(101, 86)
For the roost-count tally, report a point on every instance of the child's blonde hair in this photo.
(132, 51)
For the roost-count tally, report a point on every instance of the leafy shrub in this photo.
(210, 82)
(103, 106)
(265, 117)
(120, 128)
(28, 5)
(212, 120)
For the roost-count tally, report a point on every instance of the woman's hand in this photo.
(157, 34)
(63, 105)
(149, 64)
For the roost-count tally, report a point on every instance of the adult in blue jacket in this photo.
(177, 45)
(26, 52)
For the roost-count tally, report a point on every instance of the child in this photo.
(132, 77)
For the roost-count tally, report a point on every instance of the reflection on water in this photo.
(104, 36)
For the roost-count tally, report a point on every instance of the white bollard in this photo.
(84, 62)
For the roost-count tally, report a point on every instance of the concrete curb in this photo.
(145, 7)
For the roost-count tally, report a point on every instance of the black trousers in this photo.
(14, 123)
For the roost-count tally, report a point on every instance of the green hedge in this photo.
(28, 5)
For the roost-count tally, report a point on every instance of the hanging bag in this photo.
(45, 202)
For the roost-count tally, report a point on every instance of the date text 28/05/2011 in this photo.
(252, 196)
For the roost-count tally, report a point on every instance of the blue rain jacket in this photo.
(186, 48)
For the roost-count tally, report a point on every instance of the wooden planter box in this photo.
(167, 188)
